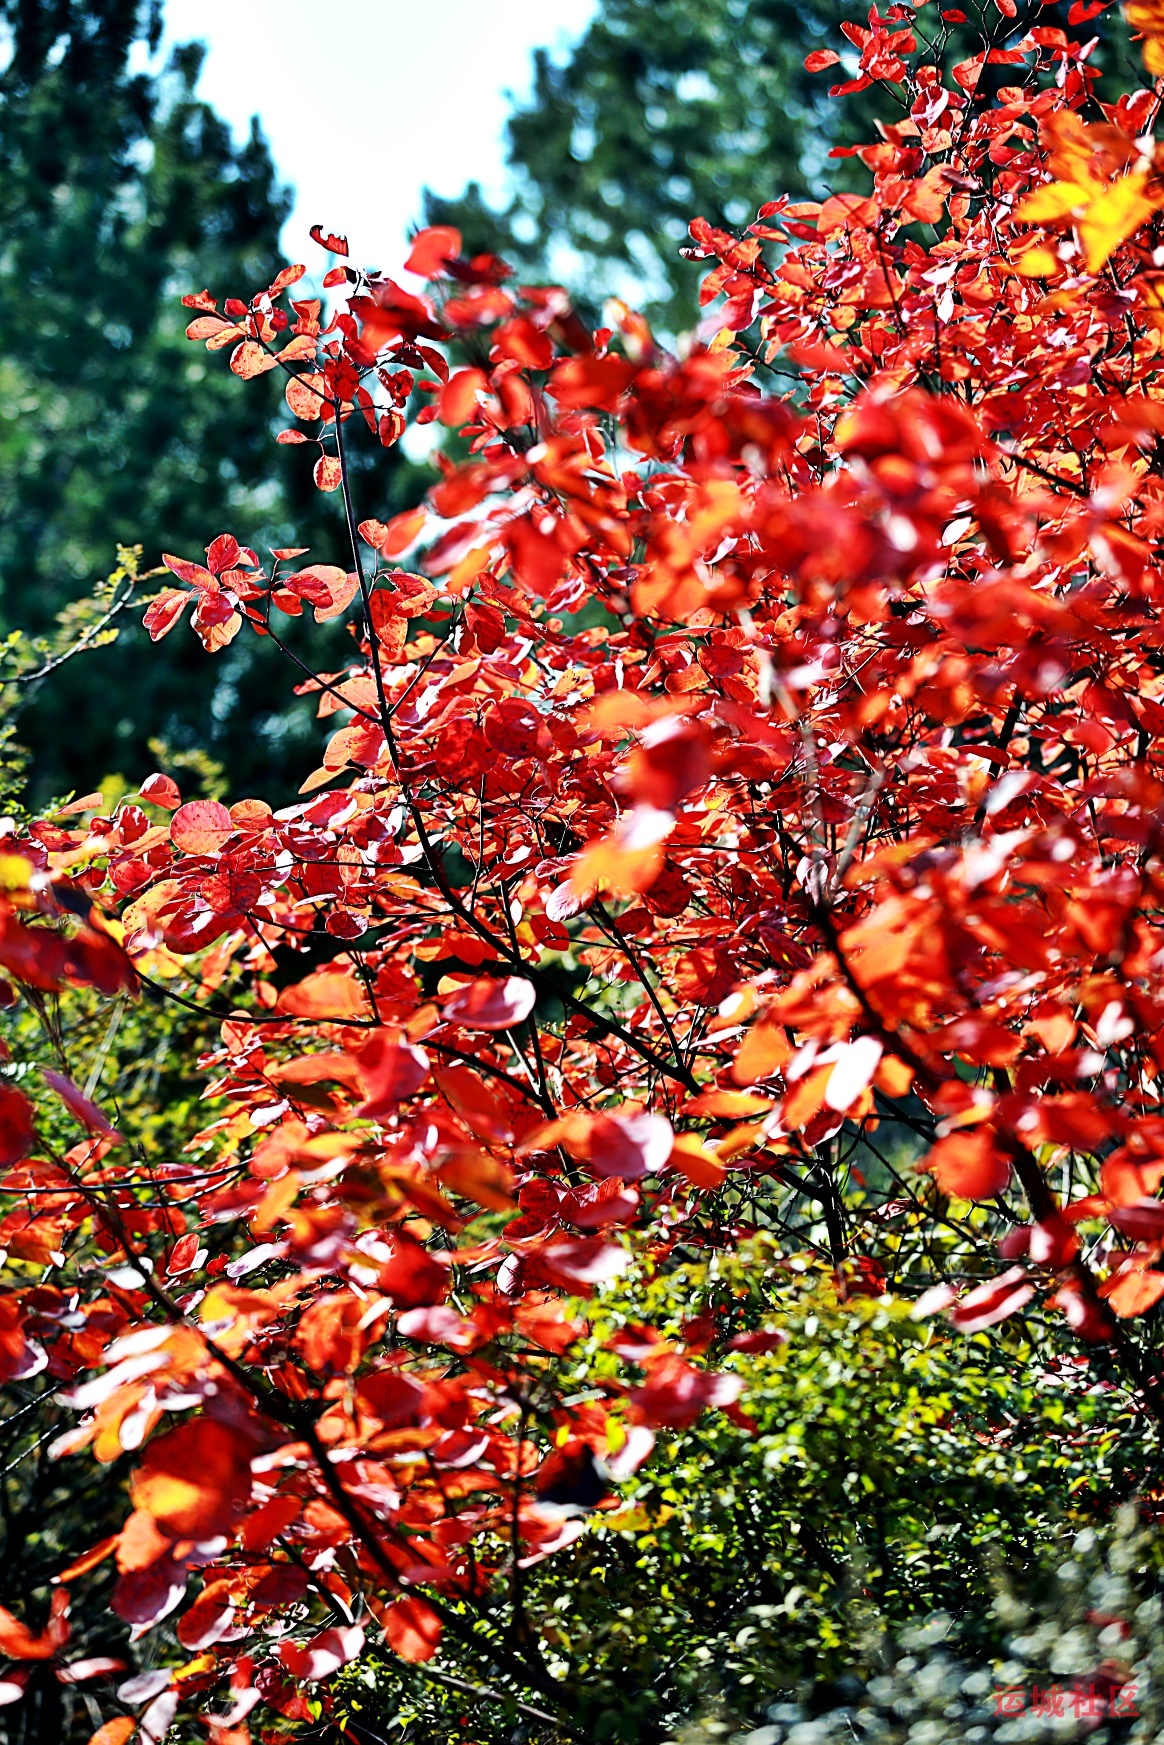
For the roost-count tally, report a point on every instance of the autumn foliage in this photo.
(738, 749)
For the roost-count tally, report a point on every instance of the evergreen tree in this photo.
(118, 193)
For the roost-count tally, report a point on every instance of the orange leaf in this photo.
(395, 536)
(327, 993)
(195, 1480)
(697, 1162)
(250, 359)
(727, 1105)
(1135, 1293)
(307, 397)
(18, 1642)
(432, 249)
(90, 1559)
(764, 1050)
(115, 1732)
(478, 1176)
(806, 1098)
(969, 1165)
(412, 1628)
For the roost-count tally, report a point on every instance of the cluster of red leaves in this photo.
(801, 747)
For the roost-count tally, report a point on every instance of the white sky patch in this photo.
(368, 102)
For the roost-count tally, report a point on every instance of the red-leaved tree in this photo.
(739, 749)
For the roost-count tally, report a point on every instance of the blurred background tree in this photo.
(671, 109)
(118, 193)
(664, 110)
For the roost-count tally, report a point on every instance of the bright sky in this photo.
(366, 106)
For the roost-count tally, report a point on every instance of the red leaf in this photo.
(412, 1628)
(196, 574)
(629, 1146)
(250, 359)
(183, 1254)
(333, 244)
(391, 1397)
(18, 1642)
(328, 473)
(390, 1073)
(676, 1393)
(993, 1301)
(578, 1263)
(195, 1481)
(165, 612)
(600, 1203)
(161, 791)
(144, 1596)
(324, 1654)
(78, 1104)
(432, 249)
(624, 1146)
(209, 1618)
(1133, 1290)
(33, 954)
(671, 760)
(537, 557)
(590, 381)
(223, 553)
(969, 1165)
(409, 1274)
(201, 827)
(819, 59)
(206, 326)
(16, 1116)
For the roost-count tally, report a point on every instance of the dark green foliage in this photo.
(886, 1473)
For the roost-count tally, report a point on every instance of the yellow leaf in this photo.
(15, 872)
(196, 1668)
(1148, 16)
(1037, 263)
(1152, 299)
(1115, 216)
(1056, 200)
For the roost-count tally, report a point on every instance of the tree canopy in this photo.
(669, 1238)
